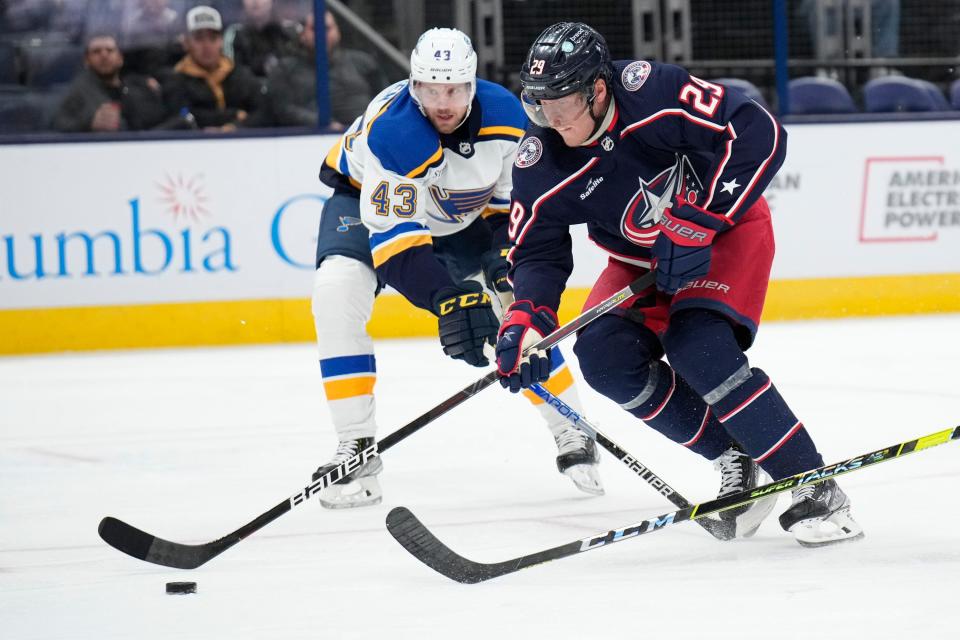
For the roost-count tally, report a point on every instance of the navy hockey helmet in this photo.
(566, 58)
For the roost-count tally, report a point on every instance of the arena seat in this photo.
(939, 100)
(955, 94)
(51, 64)
(20, 113)
(744, 86)
(898, 94)
(813, 95)
(8, 63)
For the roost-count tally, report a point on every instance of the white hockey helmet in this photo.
(443, 56)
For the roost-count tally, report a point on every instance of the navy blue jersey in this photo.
(667, 133)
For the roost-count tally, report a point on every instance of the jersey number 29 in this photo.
(694, 91)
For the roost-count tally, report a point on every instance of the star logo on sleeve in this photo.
(730, 187)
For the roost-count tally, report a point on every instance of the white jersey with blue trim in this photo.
(415, 183)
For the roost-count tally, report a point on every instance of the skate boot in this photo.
(359, 488)
(738, 472)
(577, 459)
(820, 515)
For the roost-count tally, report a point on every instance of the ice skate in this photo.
(738, 472)
(820, 515)
(577, 459)
(360, 488)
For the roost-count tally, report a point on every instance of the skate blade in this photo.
(834, 529)
(363, 492)
(750, 521)
(586, 478)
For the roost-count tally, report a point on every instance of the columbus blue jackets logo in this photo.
(635, 74)
(645, 208)
(529, 152)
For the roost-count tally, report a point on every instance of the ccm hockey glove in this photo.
(524, 325)
(467, 322)
(682, 250)
(495, 270)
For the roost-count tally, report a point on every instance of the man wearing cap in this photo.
(218, 93)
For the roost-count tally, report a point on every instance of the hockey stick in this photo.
(144, 546)
(419, 541)
(719, 529)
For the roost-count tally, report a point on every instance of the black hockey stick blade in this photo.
(423, 545)
(144, 546)
(149, 548)
(407, 529)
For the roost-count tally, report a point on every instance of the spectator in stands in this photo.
(355, 77)
(150, 37)
(99, 99)
(292, 83)
(219, 94)
(261, 39)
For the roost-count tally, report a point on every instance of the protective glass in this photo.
(436, 95)
(555, 113)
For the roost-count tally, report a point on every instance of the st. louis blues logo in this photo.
(645, 208)
(453, 205)
(346, 222)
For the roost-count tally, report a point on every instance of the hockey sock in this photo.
(702, 346)
(620, 359)
(756, 415)
(343, 294)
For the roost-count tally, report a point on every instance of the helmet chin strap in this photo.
(600, 123)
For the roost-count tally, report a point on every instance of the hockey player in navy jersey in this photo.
(667, 171)
(421, 185)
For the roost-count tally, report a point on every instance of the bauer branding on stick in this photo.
(181, 588)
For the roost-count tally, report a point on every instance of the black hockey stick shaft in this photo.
(150, 548)
(719, 529)
(426, 547)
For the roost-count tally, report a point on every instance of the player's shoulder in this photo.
(401, 138)
(502, 116)
(536, 165)
(646, 84)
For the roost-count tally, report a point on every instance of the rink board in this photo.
(211, 242)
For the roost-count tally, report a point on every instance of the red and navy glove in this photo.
(523, 326)
(466, 322)
(682, 250)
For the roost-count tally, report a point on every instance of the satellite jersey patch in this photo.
(635, 74)
(529, 152)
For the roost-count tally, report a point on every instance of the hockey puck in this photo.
(181, 588)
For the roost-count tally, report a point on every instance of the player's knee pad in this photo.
(615, 356)
(702, 347)
(343, 294)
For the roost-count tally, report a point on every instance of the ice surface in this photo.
(190, 444)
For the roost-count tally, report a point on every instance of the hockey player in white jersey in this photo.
(421, 185)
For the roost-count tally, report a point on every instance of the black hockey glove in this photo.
(524, 325)
(682, 250)
(495, 269)
(467, 322)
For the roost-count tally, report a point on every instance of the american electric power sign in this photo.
(909, 198)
